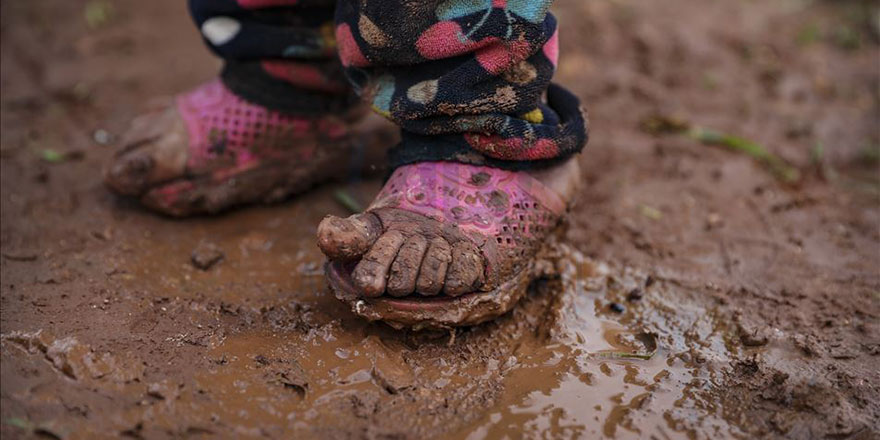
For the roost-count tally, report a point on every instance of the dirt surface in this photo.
(761, 298)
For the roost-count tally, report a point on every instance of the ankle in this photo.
(564, 178)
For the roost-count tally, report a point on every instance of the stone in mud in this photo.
(255, 241)
(753, 337)
(288, 373)
(63, 353)
(392, 378)
(390, 370)
(296, 380)
(844, 351)
(635, 295)
(77, 360)
(364, 404)
(206, 255)
(164, 390)
(32, 342)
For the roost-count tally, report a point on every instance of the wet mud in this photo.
(693, 296)
(296, 361)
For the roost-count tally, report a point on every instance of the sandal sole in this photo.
(438, 312)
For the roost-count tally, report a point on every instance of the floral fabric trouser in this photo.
(466, 80)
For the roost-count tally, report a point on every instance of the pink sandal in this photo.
(509, 216)
(211, 150)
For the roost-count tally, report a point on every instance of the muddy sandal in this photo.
(210, 150)
(464, 241)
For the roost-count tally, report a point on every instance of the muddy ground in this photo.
(762, 296)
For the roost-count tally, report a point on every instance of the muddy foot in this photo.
(210, 150)
(446, 244)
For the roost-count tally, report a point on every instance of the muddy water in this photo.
(579, 386)
(570, 384)
(561, 378)
(257, 346)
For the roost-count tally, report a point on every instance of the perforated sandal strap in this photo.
(505, 213)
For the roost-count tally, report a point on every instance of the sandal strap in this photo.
(504, 212)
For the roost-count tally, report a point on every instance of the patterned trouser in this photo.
(464, 79)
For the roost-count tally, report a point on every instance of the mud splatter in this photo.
(764, 306)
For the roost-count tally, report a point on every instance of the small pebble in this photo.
(635, 295)
(102, 136)
(616, 307)
(753, 338)
(206, 255)
(714, 220)
(155, 390)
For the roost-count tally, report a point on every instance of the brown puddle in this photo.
(287, 358)
(570, 388)
(563, 385)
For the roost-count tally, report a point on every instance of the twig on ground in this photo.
(777, 166)
(660, 124)
(346, 200)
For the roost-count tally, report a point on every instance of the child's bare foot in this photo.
(446, 244)
(211, 150)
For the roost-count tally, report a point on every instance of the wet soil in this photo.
(694, 296)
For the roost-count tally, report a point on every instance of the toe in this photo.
(154, 150)
(371, 273)
(213, 193)
(405, 269)
(348, 238)
(465, 272)
(130, 173)
(433, 269)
